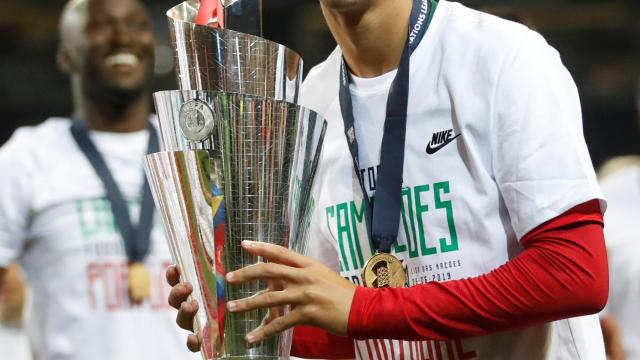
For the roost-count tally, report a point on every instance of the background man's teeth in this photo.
(122, 59)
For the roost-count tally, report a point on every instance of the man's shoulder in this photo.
(470, 22)
(50, 129)
(320, 87)
(483, 34)
(31, 142)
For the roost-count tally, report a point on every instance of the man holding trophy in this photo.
(453, 212)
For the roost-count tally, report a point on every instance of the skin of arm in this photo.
(2, 273)
(612, 338)
(12, 296)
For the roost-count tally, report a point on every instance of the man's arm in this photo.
(2, 272)
(561, 274)
(612, 338)
(11, 296)
(16, 195)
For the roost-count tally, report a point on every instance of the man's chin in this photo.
(126, 83)
(343, 5)
(132, 89)
(108, 88)
(117, 94)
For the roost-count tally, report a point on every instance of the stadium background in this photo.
(599, 42)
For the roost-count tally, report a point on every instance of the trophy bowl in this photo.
(214, 58)
(234, 167)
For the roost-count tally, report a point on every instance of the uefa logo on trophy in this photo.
(238, 162)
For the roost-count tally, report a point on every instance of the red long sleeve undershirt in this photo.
(562, 273)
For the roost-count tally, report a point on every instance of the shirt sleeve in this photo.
(16, 179)
(314, 343)
(540, 158)
(561, 274)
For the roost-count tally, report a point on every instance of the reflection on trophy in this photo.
(238, 162)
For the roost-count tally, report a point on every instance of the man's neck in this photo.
(104, 117)
(371, 39)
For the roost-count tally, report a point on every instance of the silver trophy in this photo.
(238, 162)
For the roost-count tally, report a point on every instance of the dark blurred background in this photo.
(598, 40)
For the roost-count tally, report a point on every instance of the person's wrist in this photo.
(345, 309)
(357, 327)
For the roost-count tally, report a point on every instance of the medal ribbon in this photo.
(383, 218)
(136, 238)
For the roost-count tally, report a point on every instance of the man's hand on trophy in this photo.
(186, 310)
(318, 296)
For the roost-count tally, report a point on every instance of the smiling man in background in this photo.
(74, 207)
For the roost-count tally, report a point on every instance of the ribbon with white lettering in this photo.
(383, 211)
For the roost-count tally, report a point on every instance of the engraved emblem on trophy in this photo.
(237, 163)
(196, 120)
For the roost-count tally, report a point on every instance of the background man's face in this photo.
(120, 43)
(114, 50)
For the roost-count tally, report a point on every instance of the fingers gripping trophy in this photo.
(238, 162)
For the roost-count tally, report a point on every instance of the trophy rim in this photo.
(173, 19)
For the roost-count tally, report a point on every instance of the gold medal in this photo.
(384, 270)
(139, 283)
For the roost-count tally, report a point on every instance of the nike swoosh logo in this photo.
(433, 150)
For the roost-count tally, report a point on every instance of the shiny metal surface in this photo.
(246, 176)
(183, 197)
(239, 163)
(244, 16)
(231, 61)
(229, 107)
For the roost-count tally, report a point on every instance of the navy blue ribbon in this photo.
(137, 239)
(383, 218)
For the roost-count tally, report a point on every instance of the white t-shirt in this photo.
(55, 219)
(622, 190)
(519, 160)
(14, 344)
